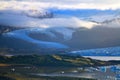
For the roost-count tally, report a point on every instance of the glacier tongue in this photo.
(110, 51)
(23, 35)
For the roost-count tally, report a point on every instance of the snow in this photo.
(111, 51)
(66, 32)
(101, 18)
(45, 26)
(40, 30)
(106, 20)
(23, 35)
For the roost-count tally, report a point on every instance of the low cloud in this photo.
(25, 21)
(17, 7)
(13, 15)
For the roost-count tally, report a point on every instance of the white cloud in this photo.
(25, 5)
(61, 4)
(25, 21)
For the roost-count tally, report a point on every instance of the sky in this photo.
(21, 6)
(61, 4)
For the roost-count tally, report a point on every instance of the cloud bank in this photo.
(25, 21)
(61, 4)
(19, 6)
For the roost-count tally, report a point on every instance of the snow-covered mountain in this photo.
(112, 23)
(103, 17)
(56, 31)
(64, 37)
(90, 14)
(39, 14)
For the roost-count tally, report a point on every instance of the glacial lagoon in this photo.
(100, 73)
(104, 58)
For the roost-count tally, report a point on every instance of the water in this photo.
(104, 58)
(100, 73)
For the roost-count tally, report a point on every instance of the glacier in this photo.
(110, 51)
(23, 35)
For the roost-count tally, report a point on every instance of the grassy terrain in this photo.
(6, 78)
(51, 60)
(4, 65)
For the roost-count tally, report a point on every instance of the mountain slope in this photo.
(98, 37)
